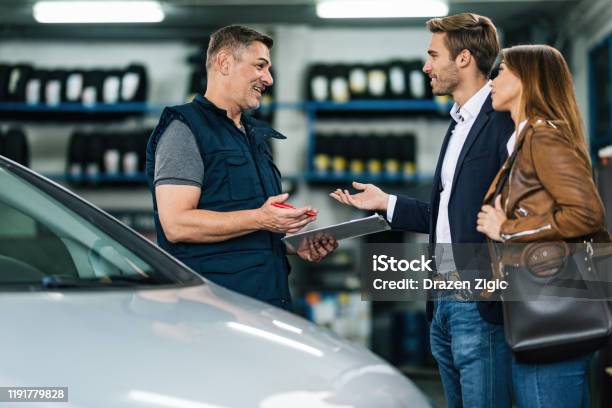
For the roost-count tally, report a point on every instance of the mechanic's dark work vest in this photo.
(238, 175)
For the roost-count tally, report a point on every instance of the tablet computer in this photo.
(349, 229)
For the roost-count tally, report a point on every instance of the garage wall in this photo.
(588, 24)
(165, 61)
(295, 48)
(298, 46)
(168, 75)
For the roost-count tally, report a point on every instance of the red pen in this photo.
(284, 205)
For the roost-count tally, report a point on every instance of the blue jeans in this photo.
(473, 357)
(558, 385)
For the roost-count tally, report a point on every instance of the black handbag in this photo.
(572, 318)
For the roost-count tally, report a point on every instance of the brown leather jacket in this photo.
(549, 194)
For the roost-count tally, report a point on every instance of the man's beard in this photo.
(448, 86)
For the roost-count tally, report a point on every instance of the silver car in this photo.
(90, 305)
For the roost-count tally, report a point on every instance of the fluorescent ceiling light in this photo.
(98, 12)
(381, 8)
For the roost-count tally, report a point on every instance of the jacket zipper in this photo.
(507, 237)
(522, 211)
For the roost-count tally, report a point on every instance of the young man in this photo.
(467, 338)
(213, 180)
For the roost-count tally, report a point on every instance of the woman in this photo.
(549, 194)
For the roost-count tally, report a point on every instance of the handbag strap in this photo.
(493, 248)
(506, 174)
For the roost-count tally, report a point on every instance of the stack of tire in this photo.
(391, 156)
(14, 145)
(397, 79)
(51, 87)
(120, 155)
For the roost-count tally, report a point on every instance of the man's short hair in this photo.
(468, 31)
(234, 38)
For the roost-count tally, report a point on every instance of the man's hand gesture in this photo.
(370, 197)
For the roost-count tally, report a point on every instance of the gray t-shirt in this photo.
(177, 157)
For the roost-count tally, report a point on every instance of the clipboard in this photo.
(349, 229)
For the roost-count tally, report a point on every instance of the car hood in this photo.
(194, 347)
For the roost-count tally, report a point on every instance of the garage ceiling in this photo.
(194, 19)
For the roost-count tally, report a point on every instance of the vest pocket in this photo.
(231, 262)
(243, 271)
(241, 182)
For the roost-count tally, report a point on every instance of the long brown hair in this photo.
(548, 89)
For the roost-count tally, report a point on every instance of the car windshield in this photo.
(51, 239)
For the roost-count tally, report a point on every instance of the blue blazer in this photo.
(481, 157)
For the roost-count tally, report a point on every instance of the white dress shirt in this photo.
(512, 140)
(464, 116)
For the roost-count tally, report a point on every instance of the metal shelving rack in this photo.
(134, 178)
(127, 107)
(311, 108)
(359, 106)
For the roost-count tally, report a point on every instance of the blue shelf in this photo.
(128, 107)
(144, 107)
(122, 178)
(99, 179)
(141, 107)
(310, 176)
(347, 177)
(381, 105)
